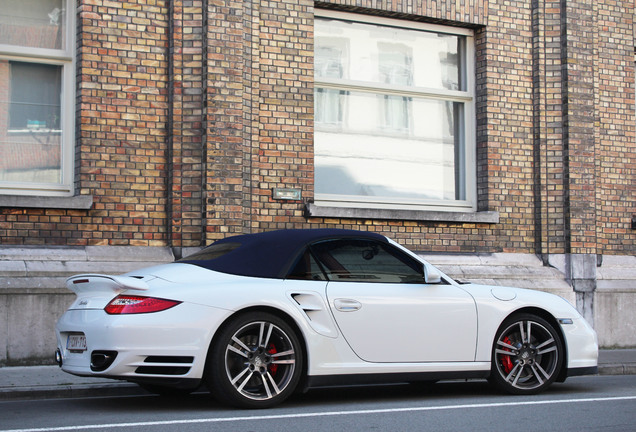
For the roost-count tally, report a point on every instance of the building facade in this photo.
(497, 138)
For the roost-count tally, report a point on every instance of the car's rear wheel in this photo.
(527, 355)
(255, 362)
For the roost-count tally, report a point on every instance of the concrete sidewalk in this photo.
(37, 382)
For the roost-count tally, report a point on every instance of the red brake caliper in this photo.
(506, 361)
(272, 367)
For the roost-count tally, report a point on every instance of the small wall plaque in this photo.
(291, 194)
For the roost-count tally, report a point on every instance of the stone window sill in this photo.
(489, 217)
(80, 202)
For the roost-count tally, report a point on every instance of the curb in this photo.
(71, 391)
(617, 369)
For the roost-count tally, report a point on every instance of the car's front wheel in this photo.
(255, 361)
(527, 355)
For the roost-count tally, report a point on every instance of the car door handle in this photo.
(347, 305)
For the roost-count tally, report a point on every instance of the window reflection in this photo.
(30, 131)
(386, 128)
(33, 23)
(371, 53)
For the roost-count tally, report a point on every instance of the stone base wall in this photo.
(33, 293)
(615, 302)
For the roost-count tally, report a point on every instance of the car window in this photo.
(214, 251)
(360, 260)
(307, 268)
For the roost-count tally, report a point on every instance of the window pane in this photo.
(392, 146)
(366, 261)
(370, 53)
(35, 96)
(328, 107)
(30, 131)
(211, 252)
(33, 23)
(306, 269)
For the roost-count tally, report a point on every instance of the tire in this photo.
(256, 361)
(527, 355)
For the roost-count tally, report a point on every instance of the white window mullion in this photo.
(422, 92)
(68, 127)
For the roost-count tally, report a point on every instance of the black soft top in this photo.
(268, 254)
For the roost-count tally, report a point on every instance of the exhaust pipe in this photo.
(101, 360)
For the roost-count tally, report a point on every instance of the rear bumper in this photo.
(164, 348)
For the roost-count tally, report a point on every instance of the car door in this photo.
(385, 310)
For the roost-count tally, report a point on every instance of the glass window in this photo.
(306, 268)
(356, 260)
(33, 23)
(212, 252)
(31, 151)
(367, 161)
(36, 98)
(376, 53)
(393, 110)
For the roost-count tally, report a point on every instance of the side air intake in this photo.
(316, 311)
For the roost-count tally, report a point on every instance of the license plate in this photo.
(76, 342)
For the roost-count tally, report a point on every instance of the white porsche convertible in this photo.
(260, 316)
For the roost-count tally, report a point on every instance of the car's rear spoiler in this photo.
(96, 282)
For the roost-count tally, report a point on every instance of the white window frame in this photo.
(65, 58)
(468, 177)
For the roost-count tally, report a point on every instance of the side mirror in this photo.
(431, 274)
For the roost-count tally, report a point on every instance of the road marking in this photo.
(319, 414)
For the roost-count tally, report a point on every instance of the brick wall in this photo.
(187, 82)
(189, 112)
(615, 138)
(122, 125)
(121, 130)
(505, 145)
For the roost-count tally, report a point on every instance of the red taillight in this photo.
(126, 304)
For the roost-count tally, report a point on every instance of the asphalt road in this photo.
(595, 403)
